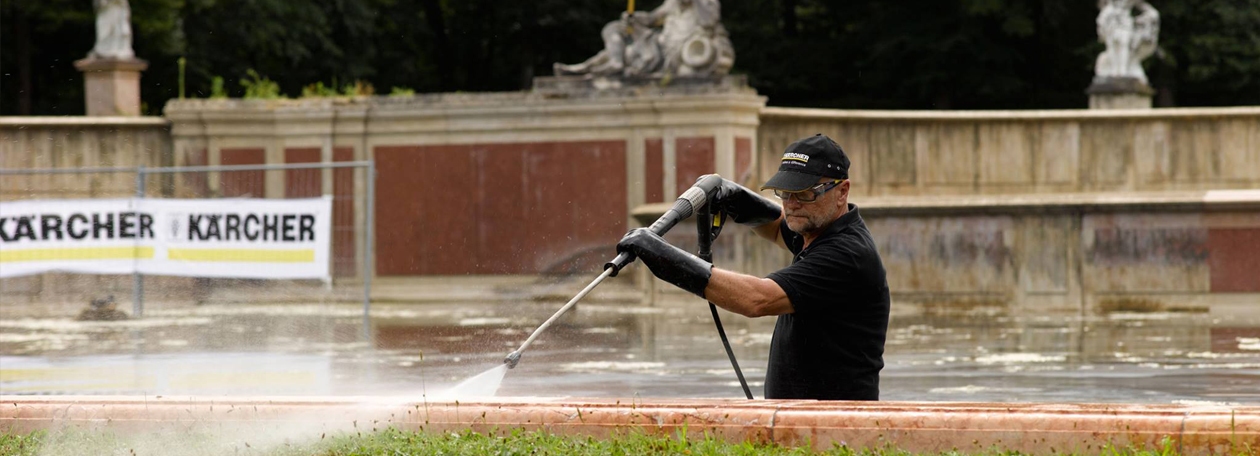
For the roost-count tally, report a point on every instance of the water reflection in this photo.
(616, 350)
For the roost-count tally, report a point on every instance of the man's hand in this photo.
(667, 262)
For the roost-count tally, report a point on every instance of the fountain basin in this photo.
(914, 426)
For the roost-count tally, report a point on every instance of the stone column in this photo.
(111, 85)
(1119, 93)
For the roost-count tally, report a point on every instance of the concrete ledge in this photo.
(914, 426)
(443, 118)
(1208, 201)
(769, 113)
(80, 121)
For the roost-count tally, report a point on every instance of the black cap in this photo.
(807, 160)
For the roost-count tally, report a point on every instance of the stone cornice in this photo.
(81, 121)
(1110, 202)
(773, 113)
(1169, 201)
(457, 114)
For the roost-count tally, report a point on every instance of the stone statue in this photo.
(681, 38)
(113, 30)
(1129, 39)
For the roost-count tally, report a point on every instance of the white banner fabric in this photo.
(228, 238)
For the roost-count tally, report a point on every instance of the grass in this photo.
(395, 442)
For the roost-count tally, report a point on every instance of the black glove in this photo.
(668, 263)
(744, 206)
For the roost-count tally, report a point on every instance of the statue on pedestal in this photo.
(1119, 81)
(111, 71)
(1129, 39)
(681, 38)
(113, 30)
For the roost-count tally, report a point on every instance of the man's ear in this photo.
(844, 193)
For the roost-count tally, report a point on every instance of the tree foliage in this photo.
(865, 54)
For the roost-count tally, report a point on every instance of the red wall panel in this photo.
(654, 171)
(302, 183)
(397, 218)
(693, 157)
(743, 160)
(497, 208)
(250, 184)
(344, 246)
(502, 221)
(1234, 259)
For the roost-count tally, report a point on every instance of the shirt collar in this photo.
(837, 226)
(849, 218)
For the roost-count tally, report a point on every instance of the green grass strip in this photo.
(395, 442)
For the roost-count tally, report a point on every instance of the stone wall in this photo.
(1141, 252)
(492, 183)
(1019, 152)
(79, 142)
(1069, 210)
(1072, 210)
(38, 143)
(1083, 252)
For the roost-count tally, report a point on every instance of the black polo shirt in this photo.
(832, 345)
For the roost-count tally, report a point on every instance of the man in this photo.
(831, 302)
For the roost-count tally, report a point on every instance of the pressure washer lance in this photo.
(686, 204)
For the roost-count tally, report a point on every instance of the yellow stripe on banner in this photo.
(242, 255)
(76, 253)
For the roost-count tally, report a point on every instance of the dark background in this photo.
(861, 54)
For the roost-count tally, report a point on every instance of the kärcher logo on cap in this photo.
(795, 157)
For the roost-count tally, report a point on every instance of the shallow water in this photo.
(612, 350)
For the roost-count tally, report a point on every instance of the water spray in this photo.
(690, 202)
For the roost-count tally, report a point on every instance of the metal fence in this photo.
(351, 186)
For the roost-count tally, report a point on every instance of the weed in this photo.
(260, 87)
(358, 89)
(318, 89)
(216, 87)
(401, 92)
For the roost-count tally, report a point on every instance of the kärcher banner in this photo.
(228, 238)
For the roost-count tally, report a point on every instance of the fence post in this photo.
(137, 279)
(370, 226)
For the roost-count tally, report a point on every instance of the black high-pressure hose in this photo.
(707, 227)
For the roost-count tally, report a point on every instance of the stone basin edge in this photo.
(1035, 428)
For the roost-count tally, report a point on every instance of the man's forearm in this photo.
(746, 295)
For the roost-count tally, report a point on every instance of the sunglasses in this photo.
(808, 195)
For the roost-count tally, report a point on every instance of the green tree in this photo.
(1209, 53)
(864, 54)
(291, 42)
(41, 39)
(920, 54)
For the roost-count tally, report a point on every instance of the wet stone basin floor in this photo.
(669, 349)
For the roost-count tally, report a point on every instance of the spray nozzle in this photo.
(512, 359)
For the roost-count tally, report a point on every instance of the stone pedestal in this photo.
(1119, 93)
(111, 86)
(588, 86)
